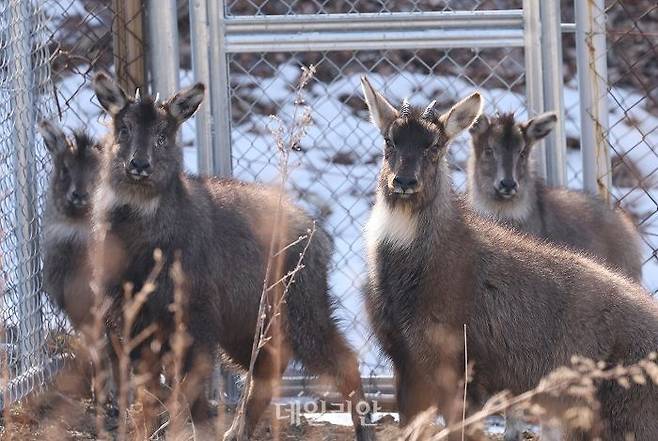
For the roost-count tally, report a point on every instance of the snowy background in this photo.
(334, 174)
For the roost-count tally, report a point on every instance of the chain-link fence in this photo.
(24, 97)
(631, 132)
(335, 172)
(250, 52)
(48, 51)
(87, 36)
(611, 108)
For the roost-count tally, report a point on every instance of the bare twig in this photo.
(131, 308)
(180, 343)
(577, 381)
(287, 139)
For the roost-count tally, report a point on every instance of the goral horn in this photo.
(428, 113)
(405, 110)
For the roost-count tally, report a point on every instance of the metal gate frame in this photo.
(216, 35)
(536, 28)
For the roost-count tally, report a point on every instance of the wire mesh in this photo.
(632, 136)
(632, 103)
(335, 171)
(48, 51)
(292, 7)
(24, 79)
(86, 36)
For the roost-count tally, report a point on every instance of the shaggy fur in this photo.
(66, 224)
(527, 307)
(220, 229)
(502, 150)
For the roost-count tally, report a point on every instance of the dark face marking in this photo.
(145, 153)
(144, 158)
(75, 171)
(501, 157)
(413, 148)
(415, 145)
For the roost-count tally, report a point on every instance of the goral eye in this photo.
(162, 140)
(523, 154)
(124, 133)
(388, 142)
(488, 151)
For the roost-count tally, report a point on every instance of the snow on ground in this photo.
(495, 425)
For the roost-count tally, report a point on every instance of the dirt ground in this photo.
(63, 412)
(68, 420)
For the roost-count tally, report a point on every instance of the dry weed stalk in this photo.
(287, 138)
(94, 339)
(118, 350)
(180, 342)
(132, 305)
(578, 382)
(98, 346)
(466, 380)
(4, 378)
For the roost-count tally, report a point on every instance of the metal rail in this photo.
(219, 90)
(534, 78)
(163, 43)
(200, 48)
(327, 32)
(592, 86)
(551, 60)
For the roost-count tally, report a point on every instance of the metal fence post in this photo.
(534, 75)
(219, 90)
(592, 85)
(222, 158)
(551, 55)
(163, 45)
(27, 282)
(200, 45)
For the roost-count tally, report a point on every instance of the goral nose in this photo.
(405, 183)
(508, 185)
(139, 165)
(79, 198)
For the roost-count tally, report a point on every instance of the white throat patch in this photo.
(57, 232)
(517, 210)
(391, 225)
(107, 199)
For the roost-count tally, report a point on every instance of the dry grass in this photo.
(33, 422)
(276, 282)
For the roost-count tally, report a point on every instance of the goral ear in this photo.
(53, 136)
(461, 115)
(539, 126)
(382, 113)
(110, 95)
(480, 125)
(183, 105)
